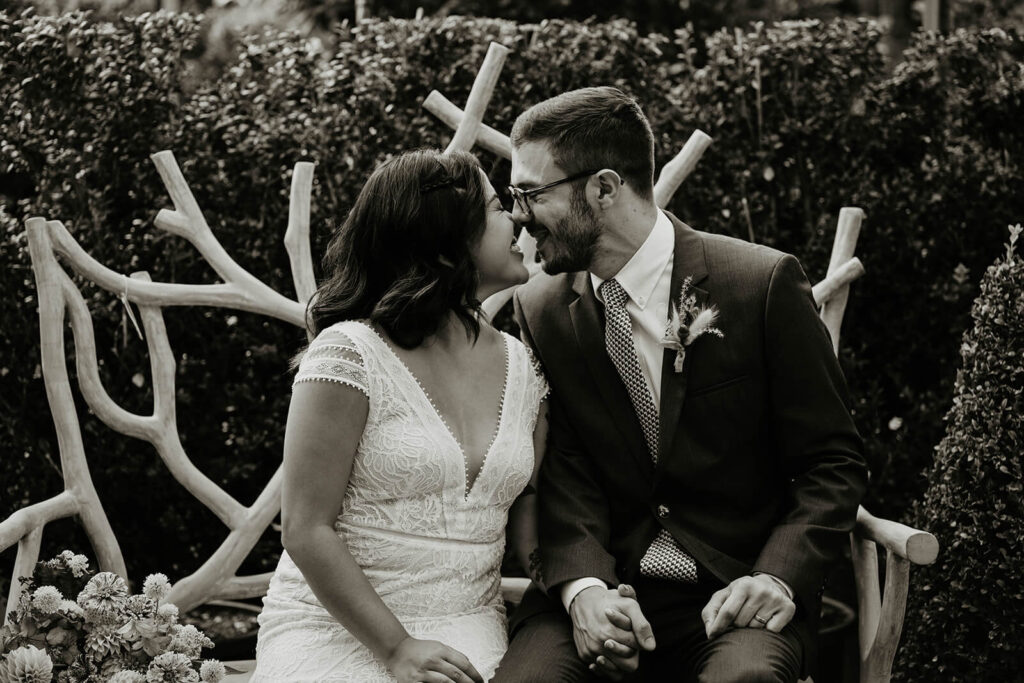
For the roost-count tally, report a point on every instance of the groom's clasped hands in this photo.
(610, 629)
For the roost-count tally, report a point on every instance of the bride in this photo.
(414, 427)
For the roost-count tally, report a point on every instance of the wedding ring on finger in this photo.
(761, 620)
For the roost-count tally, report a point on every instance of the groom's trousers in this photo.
(542, 647)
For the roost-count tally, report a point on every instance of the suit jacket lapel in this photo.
(687, 260)
(585, 313)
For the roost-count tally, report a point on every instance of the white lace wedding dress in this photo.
(431, 549)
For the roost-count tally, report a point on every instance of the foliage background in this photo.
(806, 119)
(963, 616)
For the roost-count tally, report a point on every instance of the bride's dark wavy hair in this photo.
(401, 259)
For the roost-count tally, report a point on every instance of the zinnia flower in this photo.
(171, 667)
(103, 642)
(70, 609)
(140, 607)
(47, 599)
(78, 564)
(103, 598)
(212, 671)
(26, 665)
(189, 641)
(156, 587)
(127, 676)
(167, 613)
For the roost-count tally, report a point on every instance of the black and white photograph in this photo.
(512, 341)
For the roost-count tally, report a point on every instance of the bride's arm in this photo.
(522, 523)
(325, 423)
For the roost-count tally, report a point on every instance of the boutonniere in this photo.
(689, 321)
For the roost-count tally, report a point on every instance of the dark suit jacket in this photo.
(760, 465)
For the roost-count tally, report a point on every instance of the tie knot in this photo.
(613, 294)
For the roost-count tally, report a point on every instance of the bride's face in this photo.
(497, 258)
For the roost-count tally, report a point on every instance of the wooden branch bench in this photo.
(60, 301)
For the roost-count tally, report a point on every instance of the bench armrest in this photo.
(880, 613)
(920, 547)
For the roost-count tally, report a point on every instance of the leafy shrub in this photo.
(963, 617)
(805, 121)
(989, 13)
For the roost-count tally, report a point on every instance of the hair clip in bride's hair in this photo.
(446, 181)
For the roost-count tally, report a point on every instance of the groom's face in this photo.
(560, 218)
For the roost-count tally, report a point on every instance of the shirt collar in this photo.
(641, 273)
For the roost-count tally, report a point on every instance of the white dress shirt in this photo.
(646, 278)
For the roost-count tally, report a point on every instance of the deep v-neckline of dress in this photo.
(468, 486)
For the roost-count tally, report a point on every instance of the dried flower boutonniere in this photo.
(689, 321)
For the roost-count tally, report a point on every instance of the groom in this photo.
(694, 492)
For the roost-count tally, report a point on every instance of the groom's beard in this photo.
(574, 239)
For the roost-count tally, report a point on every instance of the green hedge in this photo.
(963, 616)
(926, 152)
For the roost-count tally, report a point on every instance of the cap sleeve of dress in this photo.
(333, 356)
(539, 381)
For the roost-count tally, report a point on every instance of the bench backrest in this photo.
(61, 301)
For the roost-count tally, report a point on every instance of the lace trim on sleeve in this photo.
(333, 357)
(543, 389)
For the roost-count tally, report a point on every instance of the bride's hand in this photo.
(428, 661)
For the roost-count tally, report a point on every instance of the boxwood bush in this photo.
(805, 120)
(963, 616)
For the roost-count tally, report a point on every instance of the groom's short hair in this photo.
(593, 128)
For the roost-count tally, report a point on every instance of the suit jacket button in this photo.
(663, 511)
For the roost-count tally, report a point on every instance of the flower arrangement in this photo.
(105, 635)
(689, 321)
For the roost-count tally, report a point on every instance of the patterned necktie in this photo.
(618, 338)
(665, 558)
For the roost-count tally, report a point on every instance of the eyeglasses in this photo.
(522, 197)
